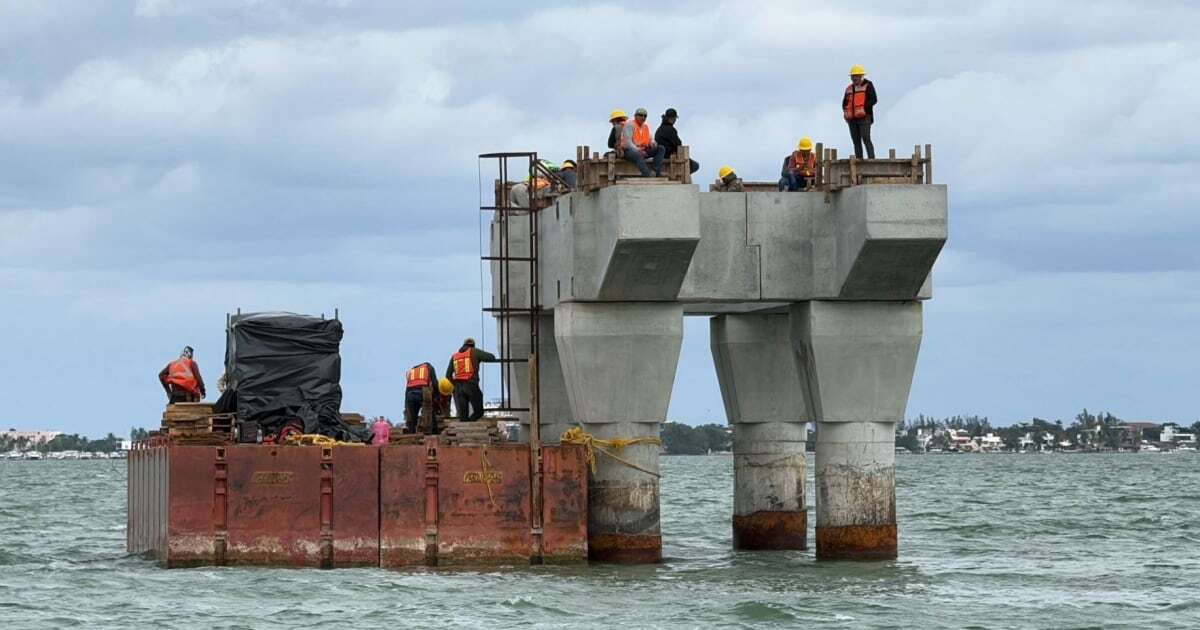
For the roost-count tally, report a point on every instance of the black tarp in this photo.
(286, 367)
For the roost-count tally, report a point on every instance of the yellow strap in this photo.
(576, 435)
(315, 439)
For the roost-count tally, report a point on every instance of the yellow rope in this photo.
(486, 467)
(576, 435)
(315, 439)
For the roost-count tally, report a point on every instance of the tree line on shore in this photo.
(65, 442)
(1102, 431)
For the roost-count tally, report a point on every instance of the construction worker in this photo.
(418, 380)
(441, 403)
(636, 143)
(181, 379)
(464, 372)
(668, 137)
(567, 173)
(858, 108)
(727, 181)
(799, 168)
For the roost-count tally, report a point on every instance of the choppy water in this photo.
(1020, 541)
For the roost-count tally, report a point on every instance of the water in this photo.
(1016, 541)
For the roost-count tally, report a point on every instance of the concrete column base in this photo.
(618, 362)
(856, 542)
(857, 359)
(764, 402)
(771, 531)
(768, 482)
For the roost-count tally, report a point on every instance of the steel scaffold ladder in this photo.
(504, 311)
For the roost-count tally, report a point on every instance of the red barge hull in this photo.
(354, 506)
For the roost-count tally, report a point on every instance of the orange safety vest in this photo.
(641, 135)
(464, 365)
(856, 103)
(418, 376)
(807, 167)
(181, 375)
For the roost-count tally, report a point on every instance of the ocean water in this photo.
(986, 541)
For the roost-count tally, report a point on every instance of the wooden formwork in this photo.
(594, 170)
(834, 174)
(915, 169)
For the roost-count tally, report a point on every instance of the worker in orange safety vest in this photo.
(417, 380)
(463, 370)
(181, 379)
(858, 108)
(799, 168)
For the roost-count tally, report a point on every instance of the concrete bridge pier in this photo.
(857, 361)
(552, 389)
(764, 402)
(618, 362)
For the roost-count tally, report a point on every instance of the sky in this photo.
(164, 162)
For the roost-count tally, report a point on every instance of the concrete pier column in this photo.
(764, 401)
(618, 361)
(552, 390)
(857, 361)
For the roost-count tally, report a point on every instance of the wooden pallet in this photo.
(594, 171)
(195, 423)
(483, 431)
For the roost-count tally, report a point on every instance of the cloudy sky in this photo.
(164, 162)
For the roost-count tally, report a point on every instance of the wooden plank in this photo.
(928, 164)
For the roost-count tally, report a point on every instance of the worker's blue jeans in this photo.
(639, 157)
(413, 399)
(792, 183)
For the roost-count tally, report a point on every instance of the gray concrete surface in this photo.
(619, 362)
(857, 361)
(826, 289)
(764, 402)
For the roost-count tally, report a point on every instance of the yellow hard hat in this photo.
(567, 164)
(857, 69)
(617, 113)
(805, 144)
(725, 171)
(445, 386)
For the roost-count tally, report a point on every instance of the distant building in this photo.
(1172, 435)
(990, 442)
(34, 437)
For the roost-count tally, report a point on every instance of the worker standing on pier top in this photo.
(464, 372)
(858, 108)
(181, 379)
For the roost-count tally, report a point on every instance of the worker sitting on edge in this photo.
(419, 379)
(181, 379)
(727, 181)
(636, 143)
(799, 168)
(464, 371)
(567, 173)
(858, 108)
(668, 137)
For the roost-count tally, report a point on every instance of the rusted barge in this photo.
(400, 505)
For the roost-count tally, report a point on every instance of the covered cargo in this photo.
(284, 367)
(350, 505)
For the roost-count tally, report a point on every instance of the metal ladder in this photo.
(505, 311)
